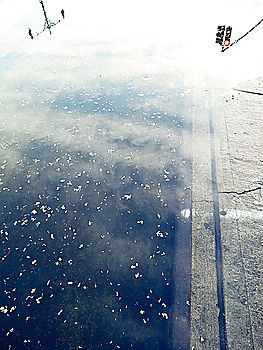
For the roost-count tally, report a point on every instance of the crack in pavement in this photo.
(243, 192)
(249, 92)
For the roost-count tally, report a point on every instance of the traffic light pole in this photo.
(236, 41)
(48, 24)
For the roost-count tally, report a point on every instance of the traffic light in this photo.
(228, 36)
(220, 35)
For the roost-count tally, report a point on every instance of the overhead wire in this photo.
(237, 40)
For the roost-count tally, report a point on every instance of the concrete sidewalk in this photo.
(227, 220)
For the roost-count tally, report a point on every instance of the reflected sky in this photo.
(94, 178)
(91, 183)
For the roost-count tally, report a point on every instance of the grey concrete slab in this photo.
(237, 148)
(239, 330)
(204, 310)
(257, 322)
(201, 166)
(239, 122)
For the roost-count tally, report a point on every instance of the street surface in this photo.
(227, 159)
(130, 176)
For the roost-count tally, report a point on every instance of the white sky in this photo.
(181, 32)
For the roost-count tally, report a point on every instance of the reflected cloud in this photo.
(93, 184)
